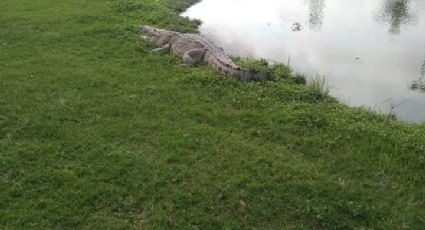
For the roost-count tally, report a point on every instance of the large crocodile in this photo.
(194, 48)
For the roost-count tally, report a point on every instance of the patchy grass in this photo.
(96, 132)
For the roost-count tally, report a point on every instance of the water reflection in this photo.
(316, 13)
(396, 13)
(419, 85)
(362, 62)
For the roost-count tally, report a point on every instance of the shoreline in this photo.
(371, 91)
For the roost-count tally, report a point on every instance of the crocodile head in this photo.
(156, 36)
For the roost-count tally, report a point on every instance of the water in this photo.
(370, 51)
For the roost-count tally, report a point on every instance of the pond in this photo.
(372, 53)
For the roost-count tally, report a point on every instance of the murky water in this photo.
(370, 51)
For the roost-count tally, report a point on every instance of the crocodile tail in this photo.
(242, 74)
(249, 75)
(227, 67)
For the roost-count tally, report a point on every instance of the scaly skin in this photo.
(194, 48)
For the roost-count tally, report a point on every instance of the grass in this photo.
(318, 84)
(96, 132)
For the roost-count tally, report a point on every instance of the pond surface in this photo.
(370, 51)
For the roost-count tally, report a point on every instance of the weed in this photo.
(319, 86)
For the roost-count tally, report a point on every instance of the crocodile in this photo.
(195, 49)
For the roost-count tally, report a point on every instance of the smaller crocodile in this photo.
(194, 49)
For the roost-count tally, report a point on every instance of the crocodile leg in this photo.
(194, 56)
(164, 49)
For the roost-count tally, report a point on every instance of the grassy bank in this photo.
(96, 132)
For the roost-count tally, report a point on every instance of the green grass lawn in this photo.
(96, 132)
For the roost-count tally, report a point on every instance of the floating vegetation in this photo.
(296, 27)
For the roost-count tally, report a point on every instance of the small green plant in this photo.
(127, 6)
(281, 71)
(181, 6)
(319, 86)
(299, 79)
(256, 65)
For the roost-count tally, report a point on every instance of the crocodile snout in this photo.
(147, 30)
(143, 29)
